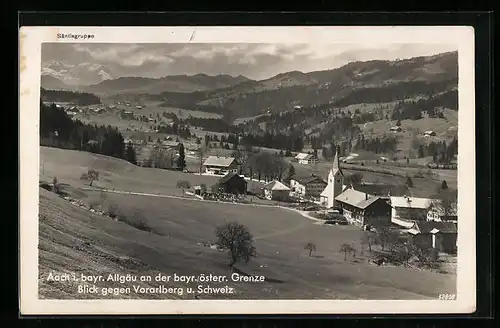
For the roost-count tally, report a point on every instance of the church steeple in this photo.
(336, 163)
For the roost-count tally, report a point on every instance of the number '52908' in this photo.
(447, 297)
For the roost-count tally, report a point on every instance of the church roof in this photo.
(336, 164)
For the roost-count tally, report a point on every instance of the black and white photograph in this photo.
(253, 170)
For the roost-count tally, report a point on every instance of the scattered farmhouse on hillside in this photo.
(407, 210)
(219, 165)
(429, 133)
(395, 129)
(307, 187)
(334, 186)
(439, 235)
(363, 209)
(233, 183)
(304, 158)
(276, 190)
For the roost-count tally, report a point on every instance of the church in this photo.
(335, 184)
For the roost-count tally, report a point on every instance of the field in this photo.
(73, 239)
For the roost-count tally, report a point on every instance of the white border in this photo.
(31, 39)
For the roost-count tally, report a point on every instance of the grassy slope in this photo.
(114, 247)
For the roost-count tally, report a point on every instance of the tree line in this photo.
(78, 98)
(57, 129)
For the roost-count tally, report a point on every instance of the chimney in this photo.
(366, 196)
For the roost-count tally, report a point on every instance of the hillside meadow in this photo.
(73, 239)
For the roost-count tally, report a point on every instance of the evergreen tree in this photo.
(444, 185)
(181, 160)
(130, 153)
(290, 174)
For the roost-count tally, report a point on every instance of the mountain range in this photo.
(356, 82)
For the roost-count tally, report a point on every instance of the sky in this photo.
(255, 61)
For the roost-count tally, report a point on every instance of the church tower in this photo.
(335, 182)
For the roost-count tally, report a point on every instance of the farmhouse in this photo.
(304, 158)
(395, 129)
(439, 235)
(363, 209)
(307, 187)
(233, 183)
(438, 213)
(429, 133)
(408, 210)
(334, 186)
(219, 165)
(276, 190)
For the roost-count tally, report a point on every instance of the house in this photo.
(219, 165)
(441, 236)
(429, 133)
(407, 210)
(276, 190)
(233, 183)
(307, 187)
(362, 209)
(304, 158)
(395, 129)
(438, 213)
(334, 186)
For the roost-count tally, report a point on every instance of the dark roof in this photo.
(382, 189)
(230, 176)
(308, 179)
(428, 226)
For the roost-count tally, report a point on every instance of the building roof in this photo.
(170, 143)
(308, 179)
(411, 202)
(434, 227)
(302, 156)
(378, 189)
(230, 176)
(429, 132)
(219, 161)
(356, 198)
(276, 185)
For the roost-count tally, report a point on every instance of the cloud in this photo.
(257, 61)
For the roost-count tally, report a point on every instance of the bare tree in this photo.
(183, 185)
(237, 240)
(55, 185)
(368, 238)
(91, 176)
(445, 203)
(346, 248)
(311, 247)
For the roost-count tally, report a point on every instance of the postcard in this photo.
(247, 170)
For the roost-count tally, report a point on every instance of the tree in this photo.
(368, 239)
(311, 247)
(346, 248)
(398, 123)
(409, 181)
(444, 185)
(91, 176)
(290, 174)
(130, 153)
(203, 188)
(181, 160)
(55, 185)
(237, 240)
(183, 185)
(384, 237)
(445, 203)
